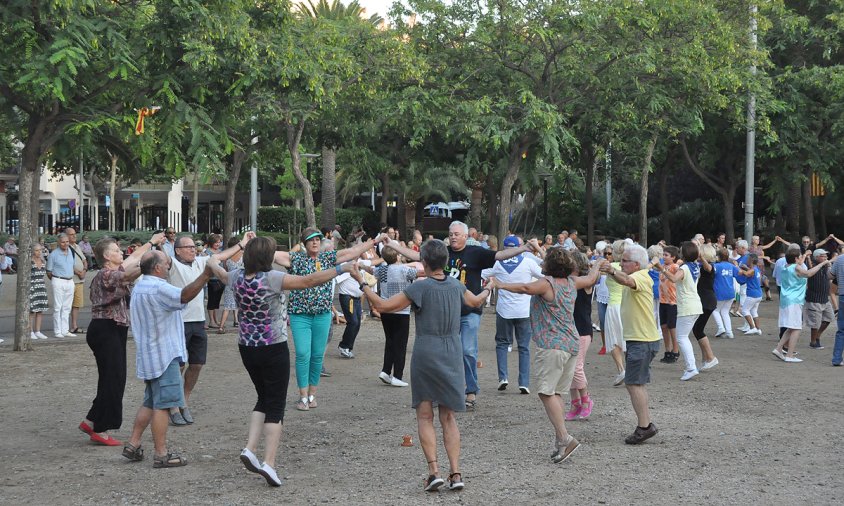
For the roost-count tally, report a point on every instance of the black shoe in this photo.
(324, 374)
(674, 357)
(641, 435)
(666, 358)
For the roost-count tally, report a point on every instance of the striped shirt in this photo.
(394, 279)
(817, 287)
(157, 326)
(838, 273)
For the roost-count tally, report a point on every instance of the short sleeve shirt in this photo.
(725, 274)
(838, 273)
(637, 310)
(315, 300)
(262, 307)
(436, 305)
(667, 288)
(465, 266)
(108, 296)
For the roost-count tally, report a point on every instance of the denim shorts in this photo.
(166, 391)
(638, 357)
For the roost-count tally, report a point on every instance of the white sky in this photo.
(380, 7)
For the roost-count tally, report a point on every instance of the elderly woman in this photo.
(258, 292)
(107, 334)
(436, 365)
(555, 334)
(310, 309)
(792, 296)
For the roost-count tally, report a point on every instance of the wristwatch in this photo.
(362, 286)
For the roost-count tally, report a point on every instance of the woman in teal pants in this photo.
(310, 309)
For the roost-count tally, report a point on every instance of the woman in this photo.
(759, 250)
(38, 302)
(725, 292)
(708, 301)
(792, 295)
(581, 403)
(436, 365)
(228, 304)
(215, 286)
(751, 276)
(549, 242)
(394, 279)
(555, 336)
(602, 293)
(613, 331)
(107, 334)
(88, 251)
(262, 341)
(689, 307)
(310, 310)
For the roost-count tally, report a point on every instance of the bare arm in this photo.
(356, 251)
(404, 251)
(539, 287)
(674, 277)
(230, 252)
(766, 246)
(589, 279)
(705, 264)
(132, 263)
(192, 290)
(804, 273)
(293, 282)
(282, 258)
(472, 300)
(620, 277)
(395, 303)
(217, 269)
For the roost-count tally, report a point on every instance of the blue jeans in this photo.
(469, 337)
(504, 330)
(352, 312)
(839, 335)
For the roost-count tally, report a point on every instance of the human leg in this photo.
(108, 343)
(722, 318)
(427, 435)
(320, 328)
(523, 333)
(300, 327)
(402, 330)
(684, 327)
(503, 338)
(451, 438)
(389, 343)
(351, 311)
(469, 338)
(838, 349)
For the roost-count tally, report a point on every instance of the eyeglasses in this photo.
(608, 253)
(185, 247)
(627, 260)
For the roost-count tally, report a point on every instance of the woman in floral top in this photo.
(259, 296)
(310, 309)
(555, 336)
(107, 334)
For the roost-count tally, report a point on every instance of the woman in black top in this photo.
(581, 403)
(706, 292)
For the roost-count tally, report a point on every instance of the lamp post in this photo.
(545, 175)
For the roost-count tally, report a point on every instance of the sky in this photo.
(376, 6)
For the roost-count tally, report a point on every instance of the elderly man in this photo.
(640, 334)
(561, 239)
(11, 250)
(80, 264)
(473, 239)
(184, 270)
(169, 244)
(465, 264)
(60, 271)
(156, 315)
(570, 244)
(819, 312)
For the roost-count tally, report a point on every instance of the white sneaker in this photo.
(59, 336)
(32, 336)
(745, 329)
(730, 335)
(40, 335)
(502, 385)
(270, 475)
(1, 341)
(709, 365)
(619, 379)
(69, 334)
(777, 353)
(689, 375)
(397, 382)
(384, 377)
(793, 360)
(757, 332)
(346, 353)
(250, 461)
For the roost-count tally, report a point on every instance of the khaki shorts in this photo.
(78, 295)
(552, 371)
(817, 313)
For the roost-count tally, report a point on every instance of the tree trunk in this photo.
(476, 207)
(793, 212)
(808, 214)
(385, 196)
(112, 221)
(194, 201)
(418, 208)
(238, 157)
(729, 197)
(822, 215)
(329, 192)
(643, 192)
(663, 201)
(409, 218)
(401, 217)
(513, 165)
(591, 167)
(294, 138)
(491, 202)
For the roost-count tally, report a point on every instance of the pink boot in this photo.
(574, 411)
(585, 408)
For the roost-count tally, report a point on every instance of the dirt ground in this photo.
(753, 430)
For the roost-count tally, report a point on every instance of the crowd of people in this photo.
(168, 292)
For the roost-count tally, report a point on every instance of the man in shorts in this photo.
(156, 316)
(818, 309)
(80, 266)
(185, 268)
(640, 334)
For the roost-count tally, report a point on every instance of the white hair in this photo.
(601, 246)
(637, 254)
(741, 243)
(461, 225)
(655, 251)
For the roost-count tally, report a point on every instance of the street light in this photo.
(545, 175)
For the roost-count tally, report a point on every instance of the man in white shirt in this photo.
(184, 270)
(512, 313)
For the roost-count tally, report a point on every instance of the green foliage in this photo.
(291, 220)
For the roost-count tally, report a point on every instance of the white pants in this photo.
(750, 306)
(62, 300)
(684, 328)
(722, 317)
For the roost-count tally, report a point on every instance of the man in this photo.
(168, 246)
(818, 308)
(512, 313)
(561, 239)
(837, 274)
(184, 270)
(156, 315)
(337, 237)
(11, 250)
(465, 264)
(472, 240)
(60, 271)
(570, 244)
(80, 264)
(640, 334)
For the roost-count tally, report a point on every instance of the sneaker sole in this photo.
(269, 478)
(386, 382)
(250, 466)
(565, 456)
(502, 387)
(435, 485)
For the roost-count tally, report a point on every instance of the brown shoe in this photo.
(565, 449)
(641, 435)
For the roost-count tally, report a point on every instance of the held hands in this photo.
(157, 239)
(248, 236)
(353, 270)
(533, 245)
(492, 283)
(606, 268)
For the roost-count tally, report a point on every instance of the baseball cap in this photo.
(511, 241)
(818, 252)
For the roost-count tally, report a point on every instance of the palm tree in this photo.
(419, 182)
(337, 11)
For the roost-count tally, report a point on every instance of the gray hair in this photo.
(741, 243)
(434, 254)
(149, 261)
(326, 245)
(63, 236)
(637, 254)
(655, 251)
(461, 225)
(618, 249)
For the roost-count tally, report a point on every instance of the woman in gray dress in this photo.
(436, 366)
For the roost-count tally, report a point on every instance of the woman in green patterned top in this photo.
(310, 309)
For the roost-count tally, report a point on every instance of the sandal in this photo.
(312, 402)
(133, 453)
(455, 484)
(169, 460)
(302, 405)
(77, 330)
(221, 330)
(470, 405)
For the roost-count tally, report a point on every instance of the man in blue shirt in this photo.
(60, 271)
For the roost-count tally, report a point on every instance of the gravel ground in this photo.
(751, 431)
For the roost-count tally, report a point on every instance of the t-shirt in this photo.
(519, 269)
(705, 289)
(180, 276)
(614, 288)
(779, 265)
(637, 309)
(317, 299)
(667, 288)
(688, 301)
(793, 287)
(394, 279)
(725, 273)
(347, 285)
(655, 278)
(754, 283)
(262, 307)
(465, 266)
(817, 288)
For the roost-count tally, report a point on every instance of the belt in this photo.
(66, 279)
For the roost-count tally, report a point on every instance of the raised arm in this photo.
(228, 253)
(620, 277)
(539, 287)
(217, 269)
(770, 244)
(590, 278)
(356, 251)
(403, 250)
(132, 263)
(808, 273)
(472, 300)
(293, 282)
(504, 254)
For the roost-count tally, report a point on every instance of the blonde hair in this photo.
(707, 252)
(618, 249)
(655, 251)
